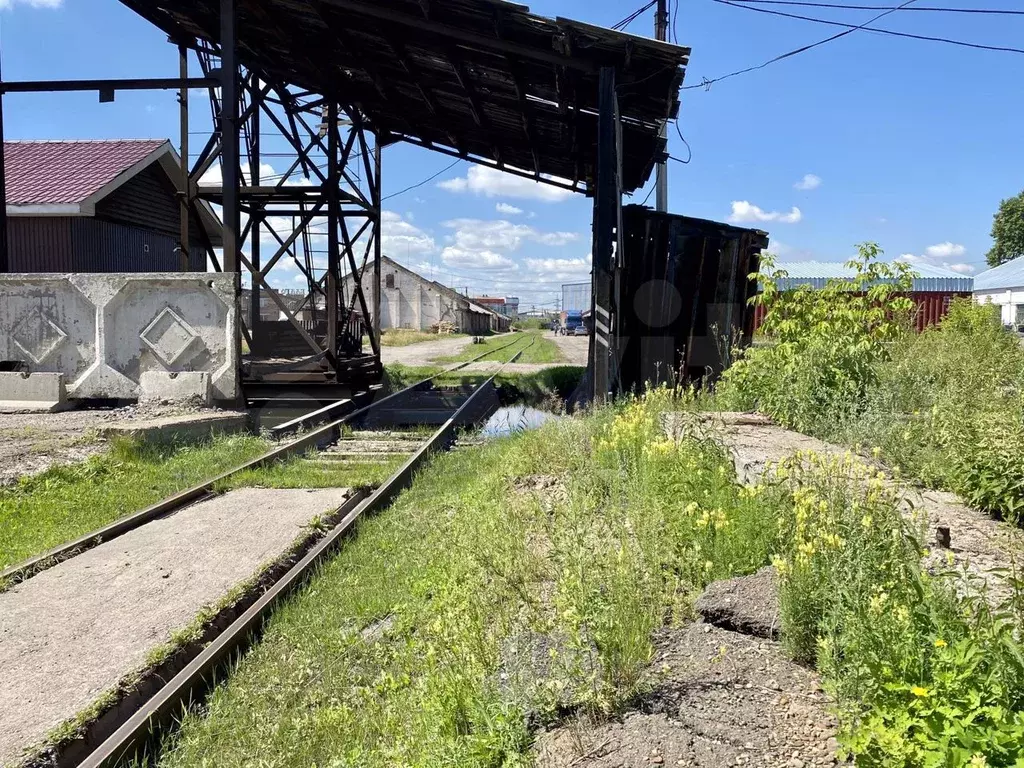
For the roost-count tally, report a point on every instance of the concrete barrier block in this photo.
(186, 386)
(38, 392)
(104, 331)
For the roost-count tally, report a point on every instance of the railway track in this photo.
(370, 434)
(314, 430)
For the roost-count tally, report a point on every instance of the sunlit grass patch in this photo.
(63, 503)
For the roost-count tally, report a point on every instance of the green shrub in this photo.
(824, 344)
(921, 677)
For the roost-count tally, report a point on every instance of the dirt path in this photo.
(74, 631)
(977, 542)
(32, 443)
(425, 352)
(575, 349)
(717, 698)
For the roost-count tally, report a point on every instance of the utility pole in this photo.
(661, 189)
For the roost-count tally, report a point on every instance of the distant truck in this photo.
(573, 320)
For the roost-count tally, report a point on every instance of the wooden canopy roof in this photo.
(485, 79)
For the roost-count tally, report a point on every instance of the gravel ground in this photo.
(32, 443)
(718, 698)
(574, 349)
(425, 352)
(74, 631)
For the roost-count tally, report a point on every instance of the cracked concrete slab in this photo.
(72, 632)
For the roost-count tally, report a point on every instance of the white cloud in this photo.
(490, 182)
(941, 255)
(401, 238)
(744, 212)
(268, 176)
(946, 250)
(560, 269)
(465, 259)
(508, 210)
(7, 4)
(808, 182)
(477, 234)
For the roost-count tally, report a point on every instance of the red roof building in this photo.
(99, 206)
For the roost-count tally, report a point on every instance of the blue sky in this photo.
(908, 143)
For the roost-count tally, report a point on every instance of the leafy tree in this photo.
(1007, 231)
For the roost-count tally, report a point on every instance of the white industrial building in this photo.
(1004, 287)
(409, 300)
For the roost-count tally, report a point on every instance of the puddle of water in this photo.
(515, 418)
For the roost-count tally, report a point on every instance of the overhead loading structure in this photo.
(558, 101)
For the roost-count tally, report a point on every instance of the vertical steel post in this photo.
(377, 236)
(185, 195)
(607, 207)
(255, 287)
(661, 183)
(229, 139)
(333, 227)
(228, 124)
(4, 261)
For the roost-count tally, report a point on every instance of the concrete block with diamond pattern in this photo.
(103, 332)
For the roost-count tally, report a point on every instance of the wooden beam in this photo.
(524, 114)
(420, 25)
(479, 116)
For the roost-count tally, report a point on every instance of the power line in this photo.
(808, 4)
(708, 83)
(1004, 49)
(420, 184)
(634, 16)
(689, 151)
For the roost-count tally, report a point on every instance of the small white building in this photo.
(409, 300)
(1004, 287)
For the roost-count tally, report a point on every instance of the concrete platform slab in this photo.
(72, 632)
(188, 427)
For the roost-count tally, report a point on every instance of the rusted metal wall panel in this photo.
(929, 308)
(684, 294)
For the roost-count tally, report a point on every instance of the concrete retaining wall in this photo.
(105, 331)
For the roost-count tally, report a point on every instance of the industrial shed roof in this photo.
(485, 79)
(1008, 275)
(927, 279)
(71, 172)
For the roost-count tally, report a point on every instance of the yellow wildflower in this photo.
(920, 692)
(940, 643)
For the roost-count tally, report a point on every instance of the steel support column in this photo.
(376, 239)
(607, 217)
(185, 195)
(229, 125)
(4, 259)
(256, 216)
(333, 283)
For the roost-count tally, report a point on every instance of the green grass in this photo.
(394, 653)
(63, 503)
(307, 472)
(542, 350)
(552, 385)
(391, 654)
(403, 337)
